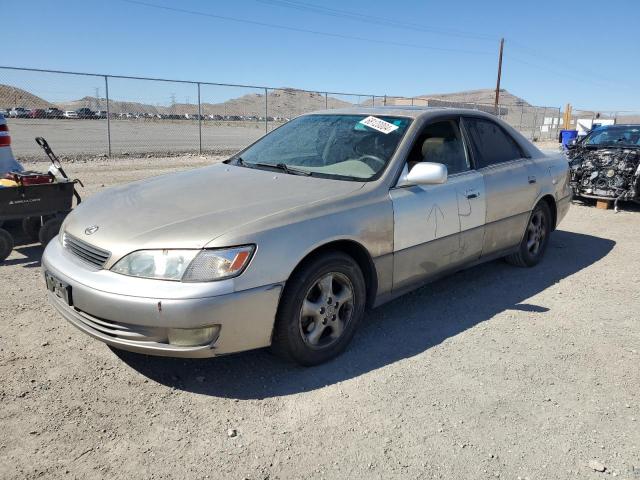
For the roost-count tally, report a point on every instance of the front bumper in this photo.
(119, 311)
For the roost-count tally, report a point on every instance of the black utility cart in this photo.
(40, 207)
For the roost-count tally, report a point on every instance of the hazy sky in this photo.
(586, 53)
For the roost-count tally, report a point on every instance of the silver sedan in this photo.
(289, 242)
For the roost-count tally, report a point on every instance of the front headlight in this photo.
(185, 265)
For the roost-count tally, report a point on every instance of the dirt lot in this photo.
(495, 372)
(89, 137)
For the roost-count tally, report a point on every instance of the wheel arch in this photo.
(551, 203)
(359, 254)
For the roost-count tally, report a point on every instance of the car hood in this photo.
(189, 209)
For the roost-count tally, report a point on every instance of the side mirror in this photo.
(426, 173)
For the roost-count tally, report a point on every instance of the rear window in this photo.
(491, 144)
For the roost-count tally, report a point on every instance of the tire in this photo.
(49, 230)
(321, 306)
(535, 239)
(6, 244)
(31, 227)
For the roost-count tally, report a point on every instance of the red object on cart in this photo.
(30, 178)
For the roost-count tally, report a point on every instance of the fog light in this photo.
(193, 337)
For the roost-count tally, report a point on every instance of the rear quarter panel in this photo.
(554, 170)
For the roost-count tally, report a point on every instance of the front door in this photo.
(437, 227)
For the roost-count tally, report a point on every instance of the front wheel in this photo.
(6, 244)
(535, 239)
(321, 306)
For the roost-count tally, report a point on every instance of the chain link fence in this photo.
(88, 115)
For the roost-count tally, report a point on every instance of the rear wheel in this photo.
(31, 227)
(6, 244)
(535, 240)
(321, 306)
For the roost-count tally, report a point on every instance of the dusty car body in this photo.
(314, 246)
(605, 164)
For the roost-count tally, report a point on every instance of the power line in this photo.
(557, 73)
(555, 60)
(371, 19)
(303, 30)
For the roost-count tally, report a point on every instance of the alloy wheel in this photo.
(326, 310)
(536, 232)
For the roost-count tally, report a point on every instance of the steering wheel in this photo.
(378, 163)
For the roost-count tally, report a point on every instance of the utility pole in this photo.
(499, 75)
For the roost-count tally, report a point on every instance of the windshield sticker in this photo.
(379, 124)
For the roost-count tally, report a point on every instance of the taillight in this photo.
(5, 139)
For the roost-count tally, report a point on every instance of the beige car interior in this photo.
(441, 142)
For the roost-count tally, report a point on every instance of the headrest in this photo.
(430, 145)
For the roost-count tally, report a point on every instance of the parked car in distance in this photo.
(37, 113)
(70, 114)
(287, 243)
(19, 112)
(85, 113)
(100, 114)
(54, 112)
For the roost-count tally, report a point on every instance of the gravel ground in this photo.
(493, 372)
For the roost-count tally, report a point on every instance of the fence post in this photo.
(521, 114)
(326, 101)
(266, 111)
(384, 102)
(373, 100)
(199, 122)
(535, 120)
(106, 93)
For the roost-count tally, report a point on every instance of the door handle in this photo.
(532, 179)
(472, 194)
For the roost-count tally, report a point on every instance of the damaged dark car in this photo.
(605, 164)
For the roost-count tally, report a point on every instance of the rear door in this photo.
(510, 182)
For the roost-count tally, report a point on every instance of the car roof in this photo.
(400, 111)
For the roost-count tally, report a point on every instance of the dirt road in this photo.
(89, 137)
(495, 372)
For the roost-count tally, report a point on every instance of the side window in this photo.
(440, 142)
(491, 144)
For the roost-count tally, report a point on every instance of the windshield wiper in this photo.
(284, 167)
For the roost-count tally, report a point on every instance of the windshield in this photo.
(350, 147)
(614, 136)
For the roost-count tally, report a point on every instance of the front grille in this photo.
(90, 254)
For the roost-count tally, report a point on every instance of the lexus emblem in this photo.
(91, 230)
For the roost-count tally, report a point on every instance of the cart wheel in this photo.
(6, 244)
(31, 227)
(49, 230)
